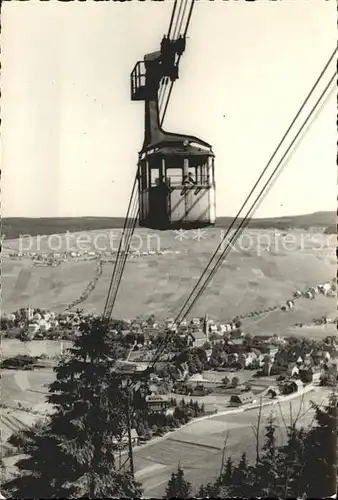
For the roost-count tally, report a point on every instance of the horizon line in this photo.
(123, 217)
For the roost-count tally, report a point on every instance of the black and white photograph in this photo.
(168, 249)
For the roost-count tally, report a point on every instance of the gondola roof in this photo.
(178, 146)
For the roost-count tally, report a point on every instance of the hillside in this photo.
(13, 227)
(262, 271)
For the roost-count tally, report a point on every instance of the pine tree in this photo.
(242, 479)
(224, 482)
(291, 464)
(210, 490)
(178, 486)
(266, 470)
(228, 472)
(74, 454)
(318, 454)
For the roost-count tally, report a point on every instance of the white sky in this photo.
(71, 134)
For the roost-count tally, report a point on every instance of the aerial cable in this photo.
(177, 20)
(121, 260)
(164, 80)
(172, 18)
(189, 18)
(254, 206)
(125, 243)
(124, 258)
(269, 162)
(178, 60)
(182, 314)
(107, 309)
(182, 18)
(176, 32)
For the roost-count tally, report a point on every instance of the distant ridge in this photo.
(13, 227)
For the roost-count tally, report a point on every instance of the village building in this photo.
(196, 322)
(124, 440)
(241, 399)
(157, 402)
(198, 338)
(306, 374)
(291, 386)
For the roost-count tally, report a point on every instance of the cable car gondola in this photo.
(176, 181)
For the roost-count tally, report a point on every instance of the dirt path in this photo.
(89, 288)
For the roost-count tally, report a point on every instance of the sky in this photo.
(71, 134)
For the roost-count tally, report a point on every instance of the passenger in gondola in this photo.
(191, 179)
(188, 180)
(185, 181)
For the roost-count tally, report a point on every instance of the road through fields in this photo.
(198, 447)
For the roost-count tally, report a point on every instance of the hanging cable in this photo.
(178, 18)
(177, 24)
(172, 18)
(268, 163)
(108, 307)
(183, 312)
(254, 206)
(126, 243)
(178, 61)
(120, 264)
(182, 18)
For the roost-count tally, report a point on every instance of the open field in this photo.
(262, 271)
(13, 421)
(282, 323)
(50, 287)
(51, 348)
(28, 387)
